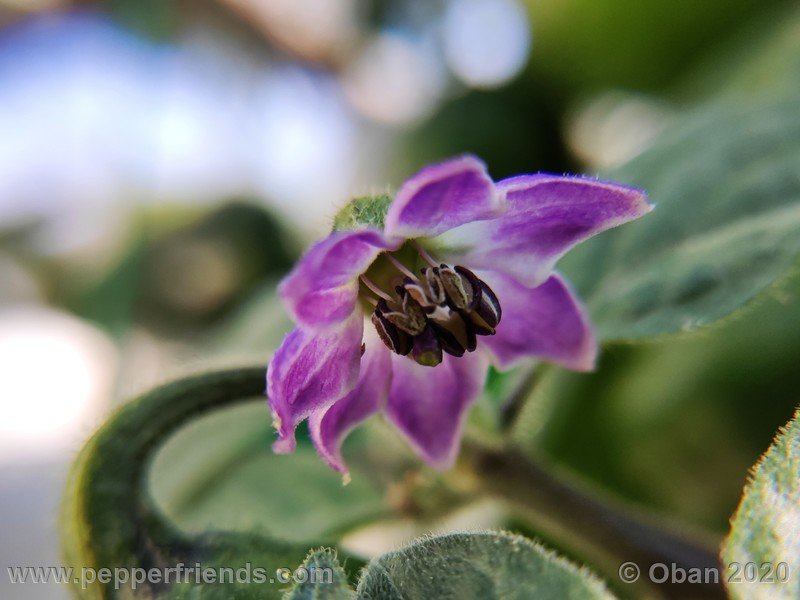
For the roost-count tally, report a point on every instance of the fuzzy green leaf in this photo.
(480, 566)
(326, 580)
(765, 531)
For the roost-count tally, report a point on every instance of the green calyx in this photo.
(366, 211)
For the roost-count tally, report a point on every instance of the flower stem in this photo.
(511, 407)
(601, 530)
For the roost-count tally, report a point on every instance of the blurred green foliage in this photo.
(515, 129)
(158, 19)
(110, 517)
(582, 45)
(181, 278)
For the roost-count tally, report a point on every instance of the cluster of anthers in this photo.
(443, 309)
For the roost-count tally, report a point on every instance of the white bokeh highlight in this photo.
(486, 42)
(397, 79)
(56, 380)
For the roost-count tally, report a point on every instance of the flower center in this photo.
(443, 309)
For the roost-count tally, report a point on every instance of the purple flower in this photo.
(404, 316)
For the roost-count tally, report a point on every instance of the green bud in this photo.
(367, 211)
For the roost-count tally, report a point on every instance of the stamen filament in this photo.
(374, 288)
(424, 253)
(401, 267)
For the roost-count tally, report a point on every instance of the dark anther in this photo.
(363, 349)
(471, 331)
(458, 333)
(448, 340)
(476, 284)
(395, 339)
(434, 284)
(488, 310)
(484, 312)
(408, 317)
(428, 292)
(461, 290)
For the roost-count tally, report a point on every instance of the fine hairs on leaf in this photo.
(480, 566)
(764, 540)
(488, 565)
(368, 211)
(326, 580)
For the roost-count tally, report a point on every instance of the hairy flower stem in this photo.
(601, 530)
(109, 519)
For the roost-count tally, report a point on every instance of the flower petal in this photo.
(546, 216)
(322, 289)
(441, 197)
(428, 404)
(329, 427)
(309, 372)
(547, 322)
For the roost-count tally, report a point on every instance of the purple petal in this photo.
(546, 322)
(428, 404)
(441, 197)
(329, 427)
(547, 215)
(322, 289)
(309, 372)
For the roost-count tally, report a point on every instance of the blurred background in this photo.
(162, 163)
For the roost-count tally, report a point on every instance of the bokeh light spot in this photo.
(486, 42)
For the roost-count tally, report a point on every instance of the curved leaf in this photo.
(110, 519)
